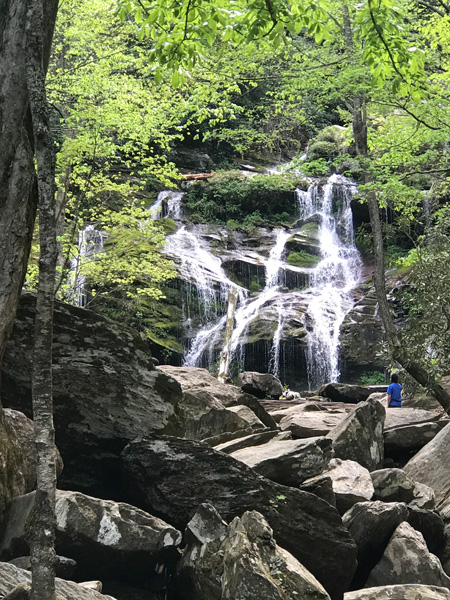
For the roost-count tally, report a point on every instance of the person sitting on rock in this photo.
(394, 392)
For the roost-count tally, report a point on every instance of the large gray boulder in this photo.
(400, 592)
(430, 467)
(11, 577)
(351, 483)
(407, 440)
(240, 561)
(105, 390)
(256, 439)
(359, 436)
(208, 406)
(108, 540)
(430, 525)
(288, 462)
(261, 385)
(394, 485)
(371, 525)
(407, 417)
(407, 560)
(303, 524)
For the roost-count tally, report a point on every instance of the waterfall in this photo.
(333, 279)
(90, 243)
(245, 314)
(168, 204)
(220, 317)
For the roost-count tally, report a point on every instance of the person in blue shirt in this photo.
(394, 392)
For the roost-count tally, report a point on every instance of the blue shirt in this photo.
(395, 390)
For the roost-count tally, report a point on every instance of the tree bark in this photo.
(415, 369)
(18, 187)
(41, 527)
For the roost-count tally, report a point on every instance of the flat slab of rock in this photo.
(307, 421)
(407, 560)
(401, 417)
(400, 592)
(251, 440)
(288, 462)
(303, 524)
(430, 467)
(108, 540)
(11, 576)
(410, 438)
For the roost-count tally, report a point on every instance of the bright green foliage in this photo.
(373, 378)
(231, 196)
(132, 262)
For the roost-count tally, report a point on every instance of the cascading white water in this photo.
(332, 280)
(90, 243)
(245, 314)
(168, 204)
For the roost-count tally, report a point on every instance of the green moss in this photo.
(303, 259)
(231, 197)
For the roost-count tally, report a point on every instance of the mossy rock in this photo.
(303, 259)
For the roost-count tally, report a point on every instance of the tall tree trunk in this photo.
(18, 188)
(415, 369)
(41, 528)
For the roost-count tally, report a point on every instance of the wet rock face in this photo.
(106, 391)
(303, 524)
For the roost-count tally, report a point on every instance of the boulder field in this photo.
(180, 487)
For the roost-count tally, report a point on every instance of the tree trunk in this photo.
(416, 370)
(18, 187)
(41, 527)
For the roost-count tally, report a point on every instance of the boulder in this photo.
(371, 524)
(288, 462)
(359, 436)
(407, 560)
(203, 407)
(11, 577)
(351, 483)
(400, 592)
(303, 524)
(240, 561)
(430, 525)
(107, 539)
(260, 385)
(392, 485)
(321, 487)
(430, 467)
(255, 439)
(310, 420)
(445, 550)
(106, 391)
(407, 440)
(344, 392)
(409, 416)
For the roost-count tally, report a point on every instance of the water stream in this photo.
(333, 279)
